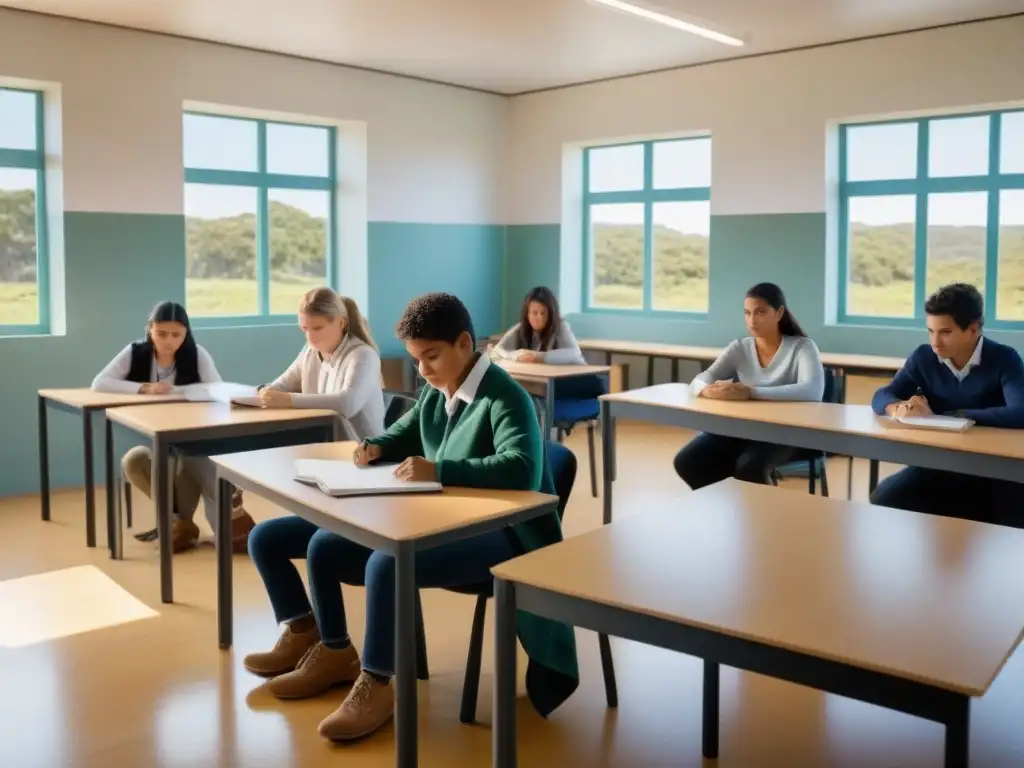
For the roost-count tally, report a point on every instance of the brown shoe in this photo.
(240, 528)
(319, 670)
(286, 654)
(184, 535)
(367, 707)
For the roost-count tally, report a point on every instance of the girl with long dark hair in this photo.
(777, 361)
(164, 360)
(541, 335)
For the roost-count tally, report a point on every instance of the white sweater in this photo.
(563, 350)
(348, 382)
(795, 373)
(114, 377)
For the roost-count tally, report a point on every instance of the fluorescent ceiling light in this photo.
(669, 21)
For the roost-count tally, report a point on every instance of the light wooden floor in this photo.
(96, 672)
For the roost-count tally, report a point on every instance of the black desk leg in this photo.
(163, 504)
(958, 735)
(675, 369)
(108, 459)
(503, 733)
(225, 599)
(44, 461)
(650, 371)
(406, 708)
(90, 501)
(710, 719)
(872, 476)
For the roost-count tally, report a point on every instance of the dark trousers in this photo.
(952, 495)
(332, 560)
(708, 459)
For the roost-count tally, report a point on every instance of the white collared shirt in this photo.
(972, 363)
(467, 392)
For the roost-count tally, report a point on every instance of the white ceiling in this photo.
(514, 46)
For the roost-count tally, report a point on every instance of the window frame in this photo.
(646, 196)
(921, 186)
(34, 159)
(263, 181)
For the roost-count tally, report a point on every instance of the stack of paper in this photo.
(222, 392)
(944, 423)
(344, 478)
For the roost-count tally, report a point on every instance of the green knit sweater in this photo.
(496, 443)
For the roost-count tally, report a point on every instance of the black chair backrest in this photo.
(562, 465)
(401, 403)
(833, 393)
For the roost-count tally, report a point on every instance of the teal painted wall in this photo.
(407, 260)
(788, 249)
(118, 266)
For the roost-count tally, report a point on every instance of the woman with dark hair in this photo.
(541, 335)
(776, 362)
(167, 358)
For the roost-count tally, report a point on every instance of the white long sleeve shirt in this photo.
(564, 349)
(114, 377)
(795, 373)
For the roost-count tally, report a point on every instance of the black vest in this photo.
(186, 366)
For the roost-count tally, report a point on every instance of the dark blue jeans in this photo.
(709, 459)
(332, 560)
(952, 494)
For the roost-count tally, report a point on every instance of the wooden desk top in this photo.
(542, 372)
(710, 354)
(85, 397)
(847, 419)
(397, 517)
(928, 598)
(156, 419)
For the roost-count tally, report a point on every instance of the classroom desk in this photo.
(849, 430)
(843, 364)
(86, 402)
(205, 428)
(797, 587)
(400, 525)
(539, 379)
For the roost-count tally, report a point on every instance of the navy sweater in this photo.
(992, 394)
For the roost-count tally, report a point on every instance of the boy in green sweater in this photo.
(472, 426)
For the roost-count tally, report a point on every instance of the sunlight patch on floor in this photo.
(63, 603)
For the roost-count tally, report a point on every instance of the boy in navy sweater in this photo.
(959, 373)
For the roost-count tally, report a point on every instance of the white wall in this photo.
(435, 154)
(767, 115)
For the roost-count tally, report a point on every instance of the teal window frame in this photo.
(647, 197)
(34, 159)
(921, 186)
(263, 181)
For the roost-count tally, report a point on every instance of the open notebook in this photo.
(222, 392)
(343, 478)
(942, 423)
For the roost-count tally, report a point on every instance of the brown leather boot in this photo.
(320, 670)
(369, 705)
(286, 654)
(241, 526)
(184, 535)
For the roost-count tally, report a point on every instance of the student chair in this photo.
(401, 403)
(576, 402)
(816, 460)
(562, 466)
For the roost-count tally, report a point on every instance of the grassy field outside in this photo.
(691, 296)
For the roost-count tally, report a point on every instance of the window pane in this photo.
(1010, 293)
(876, 152)
(19, 296)
(1012, 143)
(881, 256)
(17, 120)
(616, 169)
(220, 224)
(679, 246)
(220, 143)
(956, 239)
(682, 164)
(298, 150)
(298, 245)
(617, 251)
(958, 146)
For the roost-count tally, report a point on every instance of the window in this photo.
(927, 202)
(259, 213)
(646, 226)
(24, 284)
